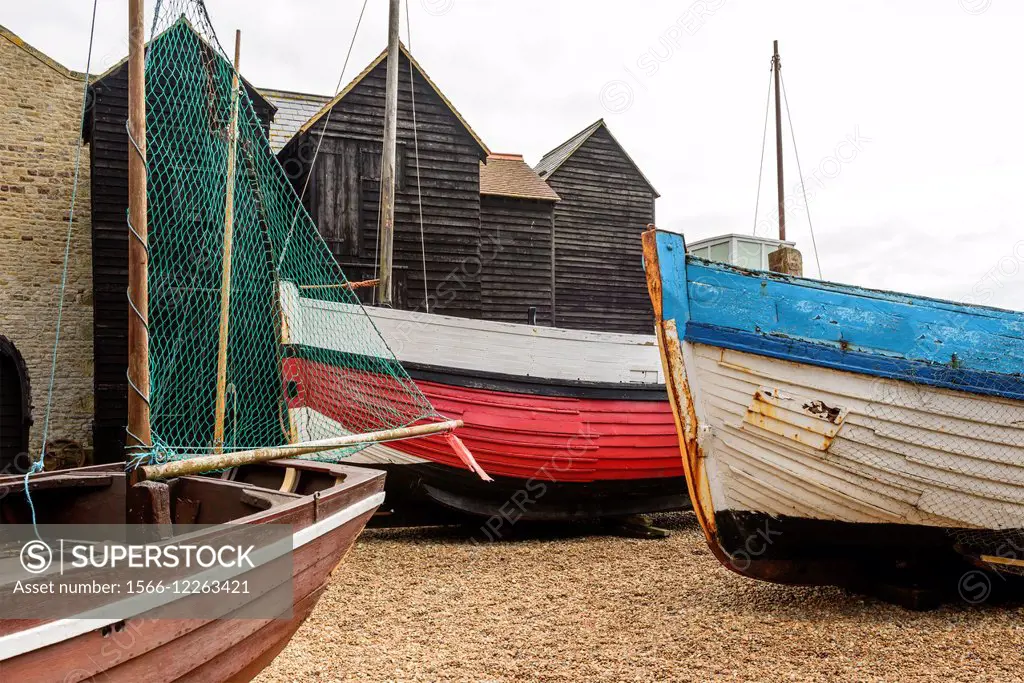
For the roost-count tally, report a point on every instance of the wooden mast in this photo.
(225, 282)
(387, 167)
(777, 69)
(139, 436)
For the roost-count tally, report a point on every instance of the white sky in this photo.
(931, 88)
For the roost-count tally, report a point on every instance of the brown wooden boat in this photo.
(327, 506)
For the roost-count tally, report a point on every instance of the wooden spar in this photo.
(777, 69)
(208, 463)
(139, 436)
(344, 285)
(1004, 561)
(387, 167)
(225, 282)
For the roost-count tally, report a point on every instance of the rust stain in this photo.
(653, 270)
(682, 402)
(686, 425)
(781, 415)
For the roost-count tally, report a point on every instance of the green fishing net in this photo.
(304, 361)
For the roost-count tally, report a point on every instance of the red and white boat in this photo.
(569, 424)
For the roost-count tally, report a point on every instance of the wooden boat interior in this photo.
(98, 494)
(257, 493)
(87, 495)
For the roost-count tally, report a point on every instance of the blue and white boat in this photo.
(829, 431)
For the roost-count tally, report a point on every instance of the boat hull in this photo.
(562, 453)
(149, 648)
(812, 462)
(581, 415)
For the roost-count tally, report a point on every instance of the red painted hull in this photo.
(589, 452)
(513, 434)
(560, 438)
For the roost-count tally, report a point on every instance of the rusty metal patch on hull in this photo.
(808, 421)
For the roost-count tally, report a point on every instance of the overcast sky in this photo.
(908, 113)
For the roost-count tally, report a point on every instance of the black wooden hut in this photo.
(343, 194)
(606, 203)
(108, 143)
(516, 231)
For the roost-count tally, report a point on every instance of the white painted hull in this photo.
(888, 452)
(310, 425)
(460, 344)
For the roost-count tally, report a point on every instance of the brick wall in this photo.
(40, 105)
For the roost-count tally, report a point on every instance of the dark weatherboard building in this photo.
(606, 203)
(343, 194)
(498, 239)
(516, 242)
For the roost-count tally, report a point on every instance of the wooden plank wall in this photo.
(606, 205)
(109, 186)
(515, 258)
(108, 147)
(449, 164)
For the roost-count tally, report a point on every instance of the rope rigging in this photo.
(416, 149)
(764, 144)
(760, 175)
(803, 188)
(37, 465)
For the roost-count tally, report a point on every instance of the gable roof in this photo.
(250, 88)
(507, 175)
(550, 162)
(373, 65)
(554, 159)
(293, 110)
(45, 59)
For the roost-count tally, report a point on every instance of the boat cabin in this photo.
(744, 251)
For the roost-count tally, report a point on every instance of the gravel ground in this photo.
(431, 605)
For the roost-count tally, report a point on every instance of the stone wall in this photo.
(40, 107)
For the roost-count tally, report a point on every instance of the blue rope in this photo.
(37, 466)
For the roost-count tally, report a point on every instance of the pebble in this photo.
(564, 606)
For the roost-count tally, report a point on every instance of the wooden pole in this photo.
(777, 68)
(208, 463)
(387, 167)
(225, 281)
(139, 435)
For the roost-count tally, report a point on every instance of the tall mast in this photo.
(777, 68)
(225, 283)
(387, 167)
(139, 436)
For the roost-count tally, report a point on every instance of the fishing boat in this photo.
(326, 513)
(834, 434)
(562, 424)
(214, 230)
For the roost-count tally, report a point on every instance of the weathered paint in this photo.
(885, 334)
(805, 420)
(679, 389)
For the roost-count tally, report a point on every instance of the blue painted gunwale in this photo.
(885, 334)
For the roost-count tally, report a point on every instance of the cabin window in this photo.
(750, 255)
(719, 252)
